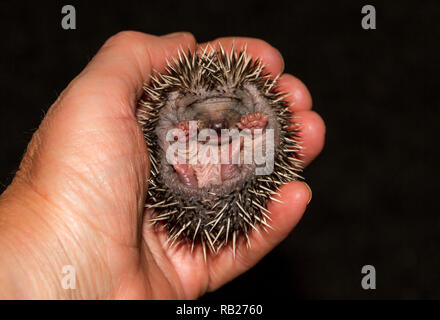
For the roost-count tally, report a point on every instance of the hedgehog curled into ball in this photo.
(204, 120)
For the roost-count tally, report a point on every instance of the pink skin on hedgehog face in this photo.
(207, 174)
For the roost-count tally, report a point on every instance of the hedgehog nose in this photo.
(218, 125)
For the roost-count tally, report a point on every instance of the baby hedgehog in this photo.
(221, 141)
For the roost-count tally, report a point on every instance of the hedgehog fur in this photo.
(215, 215)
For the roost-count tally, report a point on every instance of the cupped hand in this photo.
(78, 197)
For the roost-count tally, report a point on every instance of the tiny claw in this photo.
(255, 120)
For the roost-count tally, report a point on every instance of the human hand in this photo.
(78, 196)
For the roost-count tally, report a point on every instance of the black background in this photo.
(372, 201)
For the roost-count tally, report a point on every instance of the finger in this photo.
(255, 48)
(312, 135)
(299, 97)
(224, 267)
(124, 63)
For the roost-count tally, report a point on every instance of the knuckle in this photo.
(189, 36)
(124, 38)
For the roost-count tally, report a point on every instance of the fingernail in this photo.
(173, 35)
(310, 193)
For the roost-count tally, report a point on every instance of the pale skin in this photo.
(78, 196)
